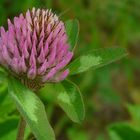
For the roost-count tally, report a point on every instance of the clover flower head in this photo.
(35, 47)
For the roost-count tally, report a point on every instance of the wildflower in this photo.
(35, 48)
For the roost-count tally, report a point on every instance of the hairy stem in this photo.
(21, 129)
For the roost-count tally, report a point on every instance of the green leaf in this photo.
(124, 132)
(72, 29)
(8, 129)
(113, 135)
(6, 104)
(2, 76)
(80, 135)
(134, 111)
(70, 100)
(32, 110)
(96, 59)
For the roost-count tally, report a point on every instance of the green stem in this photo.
(21, 129)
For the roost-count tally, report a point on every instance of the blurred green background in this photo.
(112, 93)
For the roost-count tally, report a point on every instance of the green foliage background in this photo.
(107, 91)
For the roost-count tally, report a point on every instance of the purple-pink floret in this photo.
(35, 47)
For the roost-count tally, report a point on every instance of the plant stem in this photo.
(21, 129)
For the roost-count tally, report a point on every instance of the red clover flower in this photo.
(35, 48)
